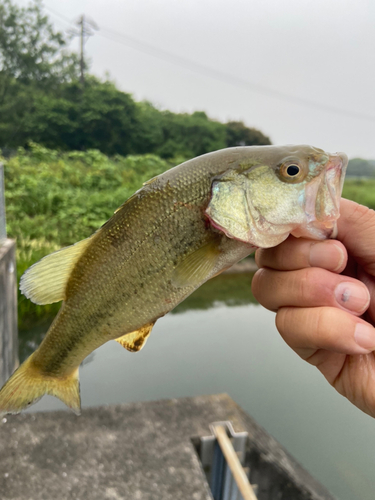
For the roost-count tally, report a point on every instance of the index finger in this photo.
(298, 253)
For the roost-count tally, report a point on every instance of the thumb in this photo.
(356, 230)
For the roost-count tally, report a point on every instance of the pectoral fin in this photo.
(197, 266)
(134, 341)
(45, 282)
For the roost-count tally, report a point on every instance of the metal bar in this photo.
(217, 475)
(231, 457)
(3, 230)
(228, 481)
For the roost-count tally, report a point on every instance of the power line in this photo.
(217, 74)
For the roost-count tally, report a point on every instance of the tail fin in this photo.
(27, 385)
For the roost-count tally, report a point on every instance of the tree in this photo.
(33, 63)
(358, 167)
(190, 135)
(171, 135)
(41, 100)
(100, 117)
(31, 51)
(237, 134)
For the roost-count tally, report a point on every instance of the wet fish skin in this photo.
(179, 230)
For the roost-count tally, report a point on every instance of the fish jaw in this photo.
(259, 208)
(321, 201)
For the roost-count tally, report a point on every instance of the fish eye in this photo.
(292, 170)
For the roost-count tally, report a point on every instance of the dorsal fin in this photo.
(45, 281)
(134, 341)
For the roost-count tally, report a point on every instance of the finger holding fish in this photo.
(309, 287)
(298, 253)
(340, 345)
(307, 330)
(318, 311)
(353, 257)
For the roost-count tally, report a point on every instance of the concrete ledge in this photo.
(136, 451)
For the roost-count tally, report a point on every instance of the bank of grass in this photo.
(54, 200)
(360, 190)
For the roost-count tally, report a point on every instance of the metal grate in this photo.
(223, 455)
(3, 231)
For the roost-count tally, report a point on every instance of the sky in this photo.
(301, 71)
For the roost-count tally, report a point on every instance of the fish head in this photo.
(270, 192)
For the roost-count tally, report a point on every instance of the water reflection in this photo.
(237, 350)
(231, 289)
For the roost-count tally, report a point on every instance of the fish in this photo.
(179, 230)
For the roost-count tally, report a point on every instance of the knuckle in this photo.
(325, 324)
(313, 287)
(283, 319)
(301, 282)
(256, 284)
(265, 288)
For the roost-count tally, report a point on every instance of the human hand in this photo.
(324, 297)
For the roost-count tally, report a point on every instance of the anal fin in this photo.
(134, 341)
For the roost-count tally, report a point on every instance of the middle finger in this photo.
(310, 287)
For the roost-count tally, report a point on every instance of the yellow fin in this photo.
(134, 341)
(45, 281)
(27, 385)
(197, 266)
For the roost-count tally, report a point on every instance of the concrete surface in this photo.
(140, 451)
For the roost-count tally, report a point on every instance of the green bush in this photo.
(360, 190)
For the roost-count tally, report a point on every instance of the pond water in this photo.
(219, 340)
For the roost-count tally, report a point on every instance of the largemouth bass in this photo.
(179, 230)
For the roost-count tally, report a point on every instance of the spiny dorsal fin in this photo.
(197, 266)
(45, 281)
(134, 341)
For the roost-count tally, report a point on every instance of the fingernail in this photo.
(352, 296)
(364, 335)
(326, 255)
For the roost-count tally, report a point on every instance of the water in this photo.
(219, 341)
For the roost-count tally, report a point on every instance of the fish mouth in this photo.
(324, 195)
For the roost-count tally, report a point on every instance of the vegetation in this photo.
(360, 190)
(359, 167)
(42, 100)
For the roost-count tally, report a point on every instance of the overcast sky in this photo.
(256, 61)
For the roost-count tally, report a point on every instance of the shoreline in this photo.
(244, 266)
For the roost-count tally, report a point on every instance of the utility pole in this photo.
(81, 22)
(85, 30)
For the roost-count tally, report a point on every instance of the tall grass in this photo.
(360, 190)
